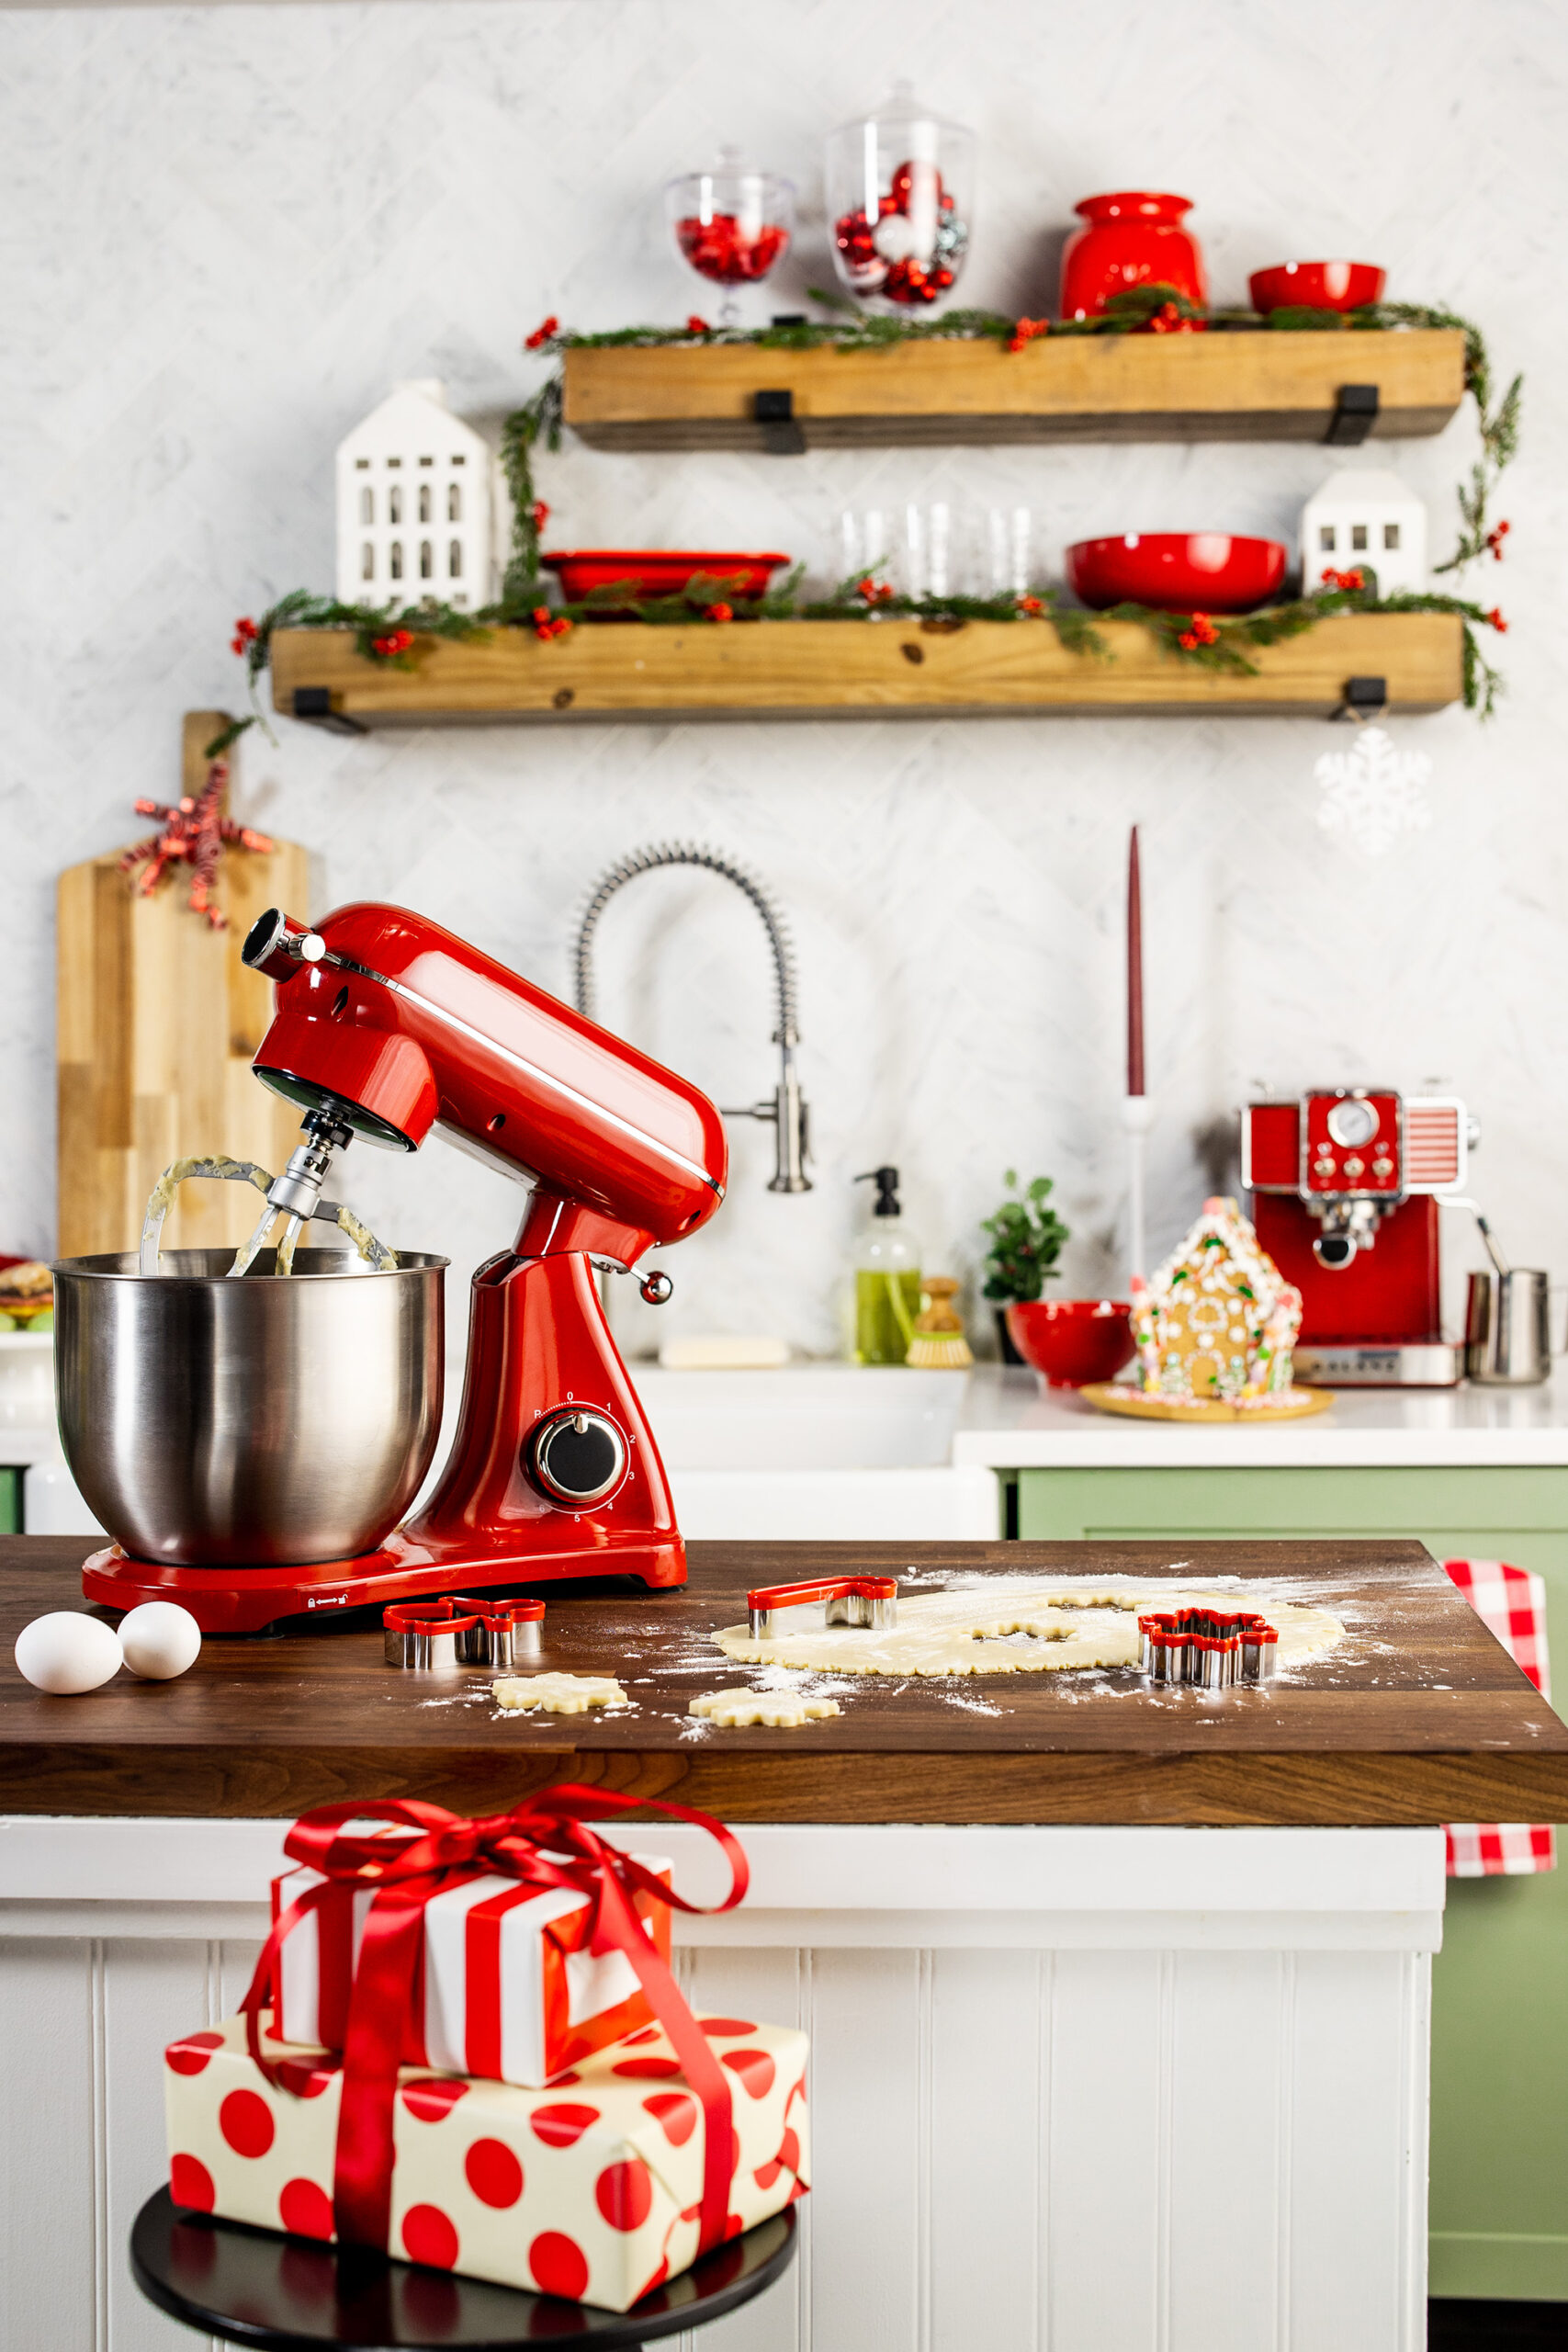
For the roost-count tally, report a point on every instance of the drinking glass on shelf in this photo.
(1001, 550)
(908, 548)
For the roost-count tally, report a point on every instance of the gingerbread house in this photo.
(1218, 1320)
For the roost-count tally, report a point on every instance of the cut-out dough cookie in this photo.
(1062, 1623)
(779, 1710)
(559, 1694)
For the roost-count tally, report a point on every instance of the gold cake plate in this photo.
(1291, 1405)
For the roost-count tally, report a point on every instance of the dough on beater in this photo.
(557, 1694)
(779, 1710)
(1021, 1625)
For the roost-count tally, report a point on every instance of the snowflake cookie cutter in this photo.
(1209, 1650)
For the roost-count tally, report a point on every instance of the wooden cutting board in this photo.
(157, 1021)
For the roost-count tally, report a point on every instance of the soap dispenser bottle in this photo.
(887, 1276)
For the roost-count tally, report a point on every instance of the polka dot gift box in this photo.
(590, 2188)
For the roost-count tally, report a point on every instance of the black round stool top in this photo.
(250, 2287)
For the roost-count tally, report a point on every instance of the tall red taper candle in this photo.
(1135, 971)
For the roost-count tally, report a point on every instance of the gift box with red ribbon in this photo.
(592, 2189)
(507, 1985)
(617, 2175)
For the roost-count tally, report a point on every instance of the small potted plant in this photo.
(1026, 1241)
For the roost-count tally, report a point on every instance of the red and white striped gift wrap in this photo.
(506, 1986)
(1511, 1603)
(590, 2189)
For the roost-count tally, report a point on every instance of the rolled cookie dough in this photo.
(779, 1710)
(559, 1694)
(1021, 1625)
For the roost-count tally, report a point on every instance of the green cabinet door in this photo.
(1499, 2165)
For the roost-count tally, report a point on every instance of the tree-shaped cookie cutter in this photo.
(1207, 1649)
(868, 1602)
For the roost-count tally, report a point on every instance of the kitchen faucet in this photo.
(786, 1110)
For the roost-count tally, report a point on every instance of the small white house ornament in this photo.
(416, 503)
(1367, 521)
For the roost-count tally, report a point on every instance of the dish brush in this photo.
(939, 1344)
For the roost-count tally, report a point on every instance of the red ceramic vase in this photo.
(1132, 239)
(1071, 1341)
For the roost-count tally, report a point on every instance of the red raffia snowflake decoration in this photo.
(195, 832)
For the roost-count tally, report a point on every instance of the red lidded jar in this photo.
(1131, 239)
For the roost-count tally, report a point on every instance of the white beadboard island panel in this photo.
(1071, 2090)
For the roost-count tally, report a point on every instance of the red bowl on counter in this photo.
(1178, 571)
(1071, 1341)
(1317, 285)
(647, 572)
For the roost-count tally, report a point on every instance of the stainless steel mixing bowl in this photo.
(217, 1423)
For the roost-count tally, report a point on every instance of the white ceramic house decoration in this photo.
(415, 504)
(1367, 521)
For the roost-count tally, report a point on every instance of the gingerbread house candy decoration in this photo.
(1218, 1320)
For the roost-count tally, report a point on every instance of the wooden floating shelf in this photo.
(1256, 386)
(843, 669)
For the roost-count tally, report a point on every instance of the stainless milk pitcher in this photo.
(1507, 1338)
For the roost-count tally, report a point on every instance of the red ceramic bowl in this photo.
(1178, 571)
(1072, 1341)
(1317, 285)
(646, 573)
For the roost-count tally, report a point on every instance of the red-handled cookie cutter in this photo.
(871, 1602)
(1206, 1648)
(423, 1634)
(504, 1633)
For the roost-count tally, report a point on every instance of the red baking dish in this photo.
(1317, 285)
(1178, 571)
(646, 573)
(1071, 1341)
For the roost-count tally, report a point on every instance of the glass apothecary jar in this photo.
(731, 225)
(900, 199)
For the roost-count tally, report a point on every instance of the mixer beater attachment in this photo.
(296, 1195)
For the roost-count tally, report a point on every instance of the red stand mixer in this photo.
(1347, 1184)
(384, 1026)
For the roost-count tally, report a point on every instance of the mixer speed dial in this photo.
(578, 1456)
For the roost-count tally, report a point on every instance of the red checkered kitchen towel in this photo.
(1511, 1603)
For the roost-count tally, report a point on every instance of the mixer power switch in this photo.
(578, 1456)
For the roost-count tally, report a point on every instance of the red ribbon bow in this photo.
(405, 1875)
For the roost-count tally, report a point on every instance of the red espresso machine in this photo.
(384, 1026)
(1347, 1184)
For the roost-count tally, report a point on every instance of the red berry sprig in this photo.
(391, 647)
(1495, 539)
(244, 637)
(542, 334)
(1343, 579)
(1200, 630)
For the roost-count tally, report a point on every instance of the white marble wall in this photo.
(226, 231)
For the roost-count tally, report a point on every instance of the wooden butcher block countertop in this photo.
(1419, 1716)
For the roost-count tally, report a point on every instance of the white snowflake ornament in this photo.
(1372, 793)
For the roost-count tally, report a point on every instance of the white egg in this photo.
(66, 1652)
(159, 1640)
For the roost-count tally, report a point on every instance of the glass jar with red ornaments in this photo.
(731, 225)
(900, 199)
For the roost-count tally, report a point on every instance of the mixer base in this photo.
(232, 1600)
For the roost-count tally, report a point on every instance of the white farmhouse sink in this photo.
(826, 1452)
(813, 1417)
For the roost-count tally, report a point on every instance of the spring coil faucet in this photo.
(787, 1111)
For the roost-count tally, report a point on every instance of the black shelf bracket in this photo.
(1364, 699)
(1355, 413)
(314, 706)
(782, 436)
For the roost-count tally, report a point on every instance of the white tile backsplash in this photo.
(227, 231)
